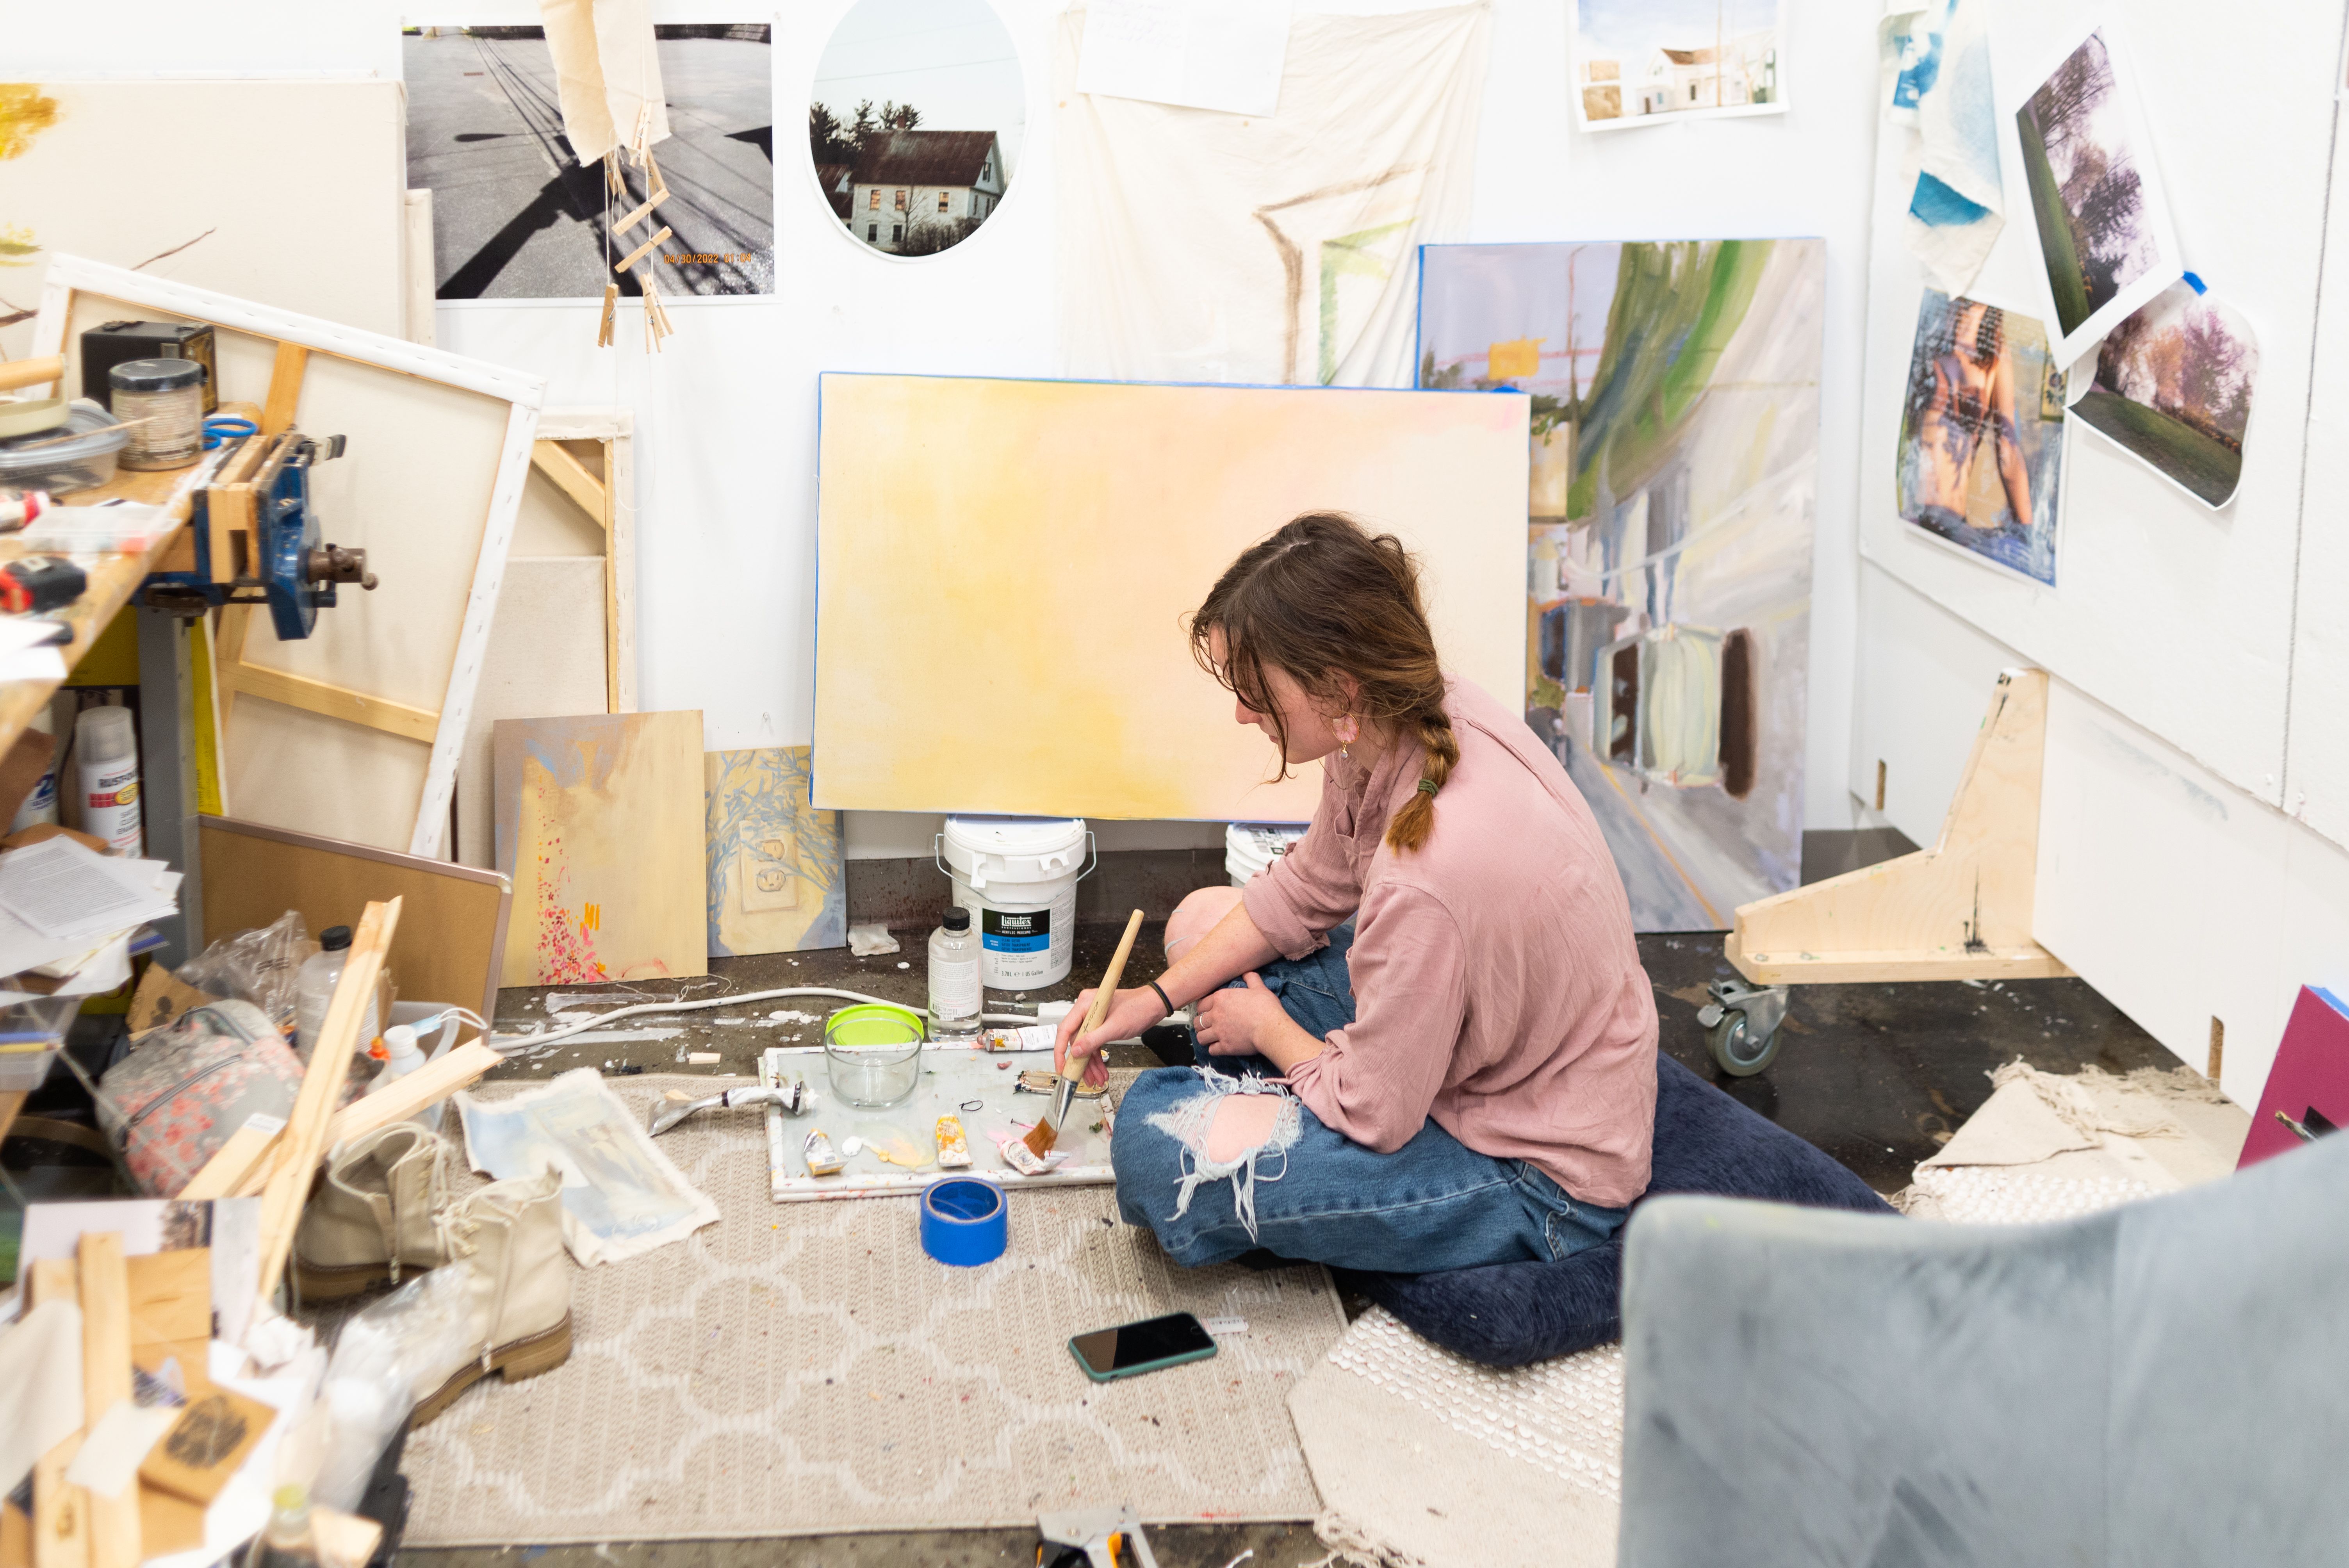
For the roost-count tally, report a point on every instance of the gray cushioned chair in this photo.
(2164, 1383)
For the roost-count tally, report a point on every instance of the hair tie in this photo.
(1428, 788)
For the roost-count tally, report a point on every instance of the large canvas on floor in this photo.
(1003, 568)
(599, 827)
(1675, 440)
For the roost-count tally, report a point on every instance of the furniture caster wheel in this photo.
(1737, 1049)
(1741, 1024)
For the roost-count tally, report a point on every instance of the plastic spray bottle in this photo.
(108, 768)
(313, 990)
(41, 805)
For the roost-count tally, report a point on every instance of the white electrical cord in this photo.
(509, 1044)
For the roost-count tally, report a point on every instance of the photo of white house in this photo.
(1638, 61)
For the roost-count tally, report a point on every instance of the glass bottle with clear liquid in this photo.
(956, 996)
(288, 1542)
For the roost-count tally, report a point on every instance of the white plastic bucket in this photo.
(1250, 848)
(1017, 876)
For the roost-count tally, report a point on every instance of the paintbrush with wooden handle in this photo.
(1047, 1130)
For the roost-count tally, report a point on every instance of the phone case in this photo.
(1158, 1365)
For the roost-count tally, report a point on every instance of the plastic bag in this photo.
(171, 1104)
(371, 1384)
(256, 967)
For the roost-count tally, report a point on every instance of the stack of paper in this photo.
(28, 652)
(69, 914)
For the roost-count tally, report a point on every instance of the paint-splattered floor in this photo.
(1879, 1076)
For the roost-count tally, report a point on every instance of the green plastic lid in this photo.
(873, 1024)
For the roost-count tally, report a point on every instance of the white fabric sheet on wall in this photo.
(1198, 246)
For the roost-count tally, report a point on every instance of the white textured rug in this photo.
(805, 1369)
(1425, 1457)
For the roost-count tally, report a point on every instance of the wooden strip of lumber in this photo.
(284, 388)
(610, 520)
(228, 649)
(228, 512)
(28, 372)
(247, 1148)
(402, 1098)
(570, 475)
(325, 697)
(60, 1512)
(106, 1379)
(322, 1087)
(1794, 967)
(638, 254)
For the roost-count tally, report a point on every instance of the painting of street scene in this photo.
(2105, 235)
(1675, 486)
(1651, 62)
(2173, 389)
(1981, 434)
(514, 215)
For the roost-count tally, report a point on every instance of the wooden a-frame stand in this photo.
(1959, 911)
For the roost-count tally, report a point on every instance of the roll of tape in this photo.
(963, 1221)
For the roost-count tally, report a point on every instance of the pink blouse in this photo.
(1496, 984)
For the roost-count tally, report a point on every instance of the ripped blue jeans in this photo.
(1312, 1195)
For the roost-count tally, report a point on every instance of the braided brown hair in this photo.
(1327, 600)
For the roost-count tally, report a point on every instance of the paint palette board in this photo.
(599, 825)
(952, 1076)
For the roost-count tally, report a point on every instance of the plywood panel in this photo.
(447, 948)
(599, 820)
(335, 157)
(1004, 566)
(2176, 617)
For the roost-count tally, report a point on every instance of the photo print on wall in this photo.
(1675, 486)
(915, 121)
(2106, 237)
(1981, 434)
(2173, 389)
(516, 216)
(1653, 62)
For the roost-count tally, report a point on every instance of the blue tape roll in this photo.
(963, 1221)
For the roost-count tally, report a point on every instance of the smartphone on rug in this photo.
(1145, 1347)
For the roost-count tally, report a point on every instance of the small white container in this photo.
(1250, 848)
(1017, 876)
(957, 995)
(41, 805)
(106, 751)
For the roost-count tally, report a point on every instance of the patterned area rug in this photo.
(806, 1369)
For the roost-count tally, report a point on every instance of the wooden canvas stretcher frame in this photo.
(296, 339)
(610, 503)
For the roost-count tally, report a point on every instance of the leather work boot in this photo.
(508, 1237)
(374, 1214)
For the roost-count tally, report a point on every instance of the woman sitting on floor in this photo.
(1425, 1039)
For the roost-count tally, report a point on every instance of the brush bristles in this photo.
(1041, 1137)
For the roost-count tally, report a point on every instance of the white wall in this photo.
(2179, 896)
(726, 415)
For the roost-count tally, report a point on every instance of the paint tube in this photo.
(954, 1151)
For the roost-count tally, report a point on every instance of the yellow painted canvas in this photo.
(599, 823)
(1004, 567)
(775, 874)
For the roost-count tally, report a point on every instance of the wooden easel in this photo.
(1959, 911)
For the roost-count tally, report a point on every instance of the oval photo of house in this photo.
(915, 122)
